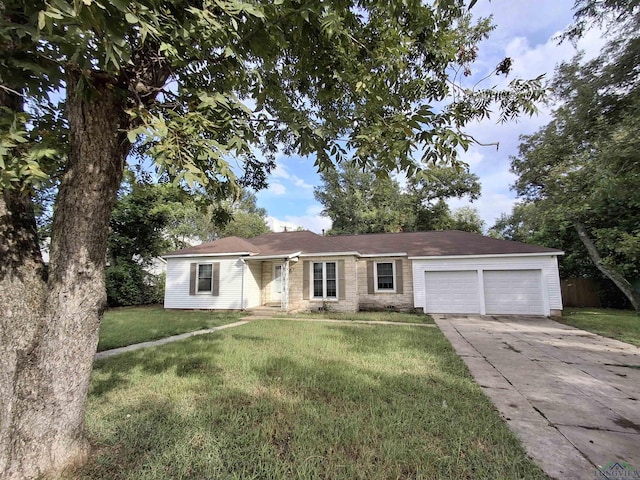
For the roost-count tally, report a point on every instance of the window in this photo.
(325, 280)
(385, 275)
(205, 277)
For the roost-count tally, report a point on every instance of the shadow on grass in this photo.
(117, 372)
(297, 416)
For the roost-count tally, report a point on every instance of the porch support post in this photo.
(284, 298)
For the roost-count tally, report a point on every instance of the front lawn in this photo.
(125, 326)
(622, 325)
(276, 399)
(366, 316)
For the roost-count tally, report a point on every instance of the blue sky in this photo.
(525, 31)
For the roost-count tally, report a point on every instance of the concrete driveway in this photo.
(572, 397)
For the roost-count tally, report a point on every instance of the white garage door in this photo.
(451, 292)
(513, 292)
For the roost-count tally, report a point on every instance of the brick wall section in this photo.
(355, 286)
(403, 301)
(348, 304)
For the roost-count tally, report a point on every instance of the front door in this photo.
(276, 284)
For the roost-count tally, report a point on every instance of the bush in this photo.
(129, 284)
(157, 287)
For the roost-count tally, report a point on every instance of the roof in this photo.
(292, 242)
(438, 243)
(414, 244)
(227, 245)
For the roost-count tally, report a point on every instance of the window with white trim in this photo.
(324, 279)
(385, 276)
(205, 278)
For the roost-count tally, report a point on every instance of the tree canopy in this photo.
(337, 80)
(362, 202)
(201, 218)
(207, 91)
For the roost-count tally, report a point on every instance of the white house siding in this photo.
(547, 265)
(231, 291)
(252, 291)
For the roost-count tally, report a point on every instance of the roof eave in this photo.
(487, 255)
(275, 256)
(330, 254)
(225, 254)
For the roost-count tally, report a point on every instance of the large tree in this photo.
(427, 194)
(530, 222)
(137, 237)
(582, 171)
(201, 218)
(195, 85)
(360, 201)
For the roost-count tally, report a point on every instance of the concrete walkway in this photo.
(163, 341)
(572, 397)
(243, 321)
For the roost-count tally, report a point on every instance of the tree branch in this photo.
(616, 277)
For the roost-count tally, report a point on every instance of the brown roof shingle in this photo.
(223, 245)
(292, 242)
(415, 244)
(437, 243)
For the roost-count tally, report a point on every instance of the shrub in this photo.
(129, 284)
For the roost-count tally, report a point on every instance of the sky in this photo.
(525, 32)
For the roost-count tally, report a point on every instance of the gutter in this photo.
(490, 255)
(275, 257)
(229, 254)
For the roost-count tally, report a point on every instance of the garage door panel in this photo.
(513, 292)
(451, 292)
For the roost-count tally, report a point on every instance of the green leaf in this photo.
(131, 18)
(132, 135)
(42, 20)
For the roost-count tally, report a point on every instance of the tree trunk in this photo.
(22, 293)
(622, 283)
(50, 342)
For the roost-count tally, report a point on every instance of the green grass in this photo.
(366, 316)
(276, 399)
(622, 325)
(125, 326)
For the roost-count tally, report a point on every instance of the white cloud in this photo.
(315, 209)
(312, 220)
(276, 188)
(282, 172)
(497, 196)
(490, 206)
(314, 223)
(277, 225)
(473, 157)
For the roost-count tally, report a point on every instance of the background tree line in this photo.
(359, 201)
(579, 176)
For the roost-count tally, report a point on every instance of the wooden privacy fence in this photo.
(580, 292)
